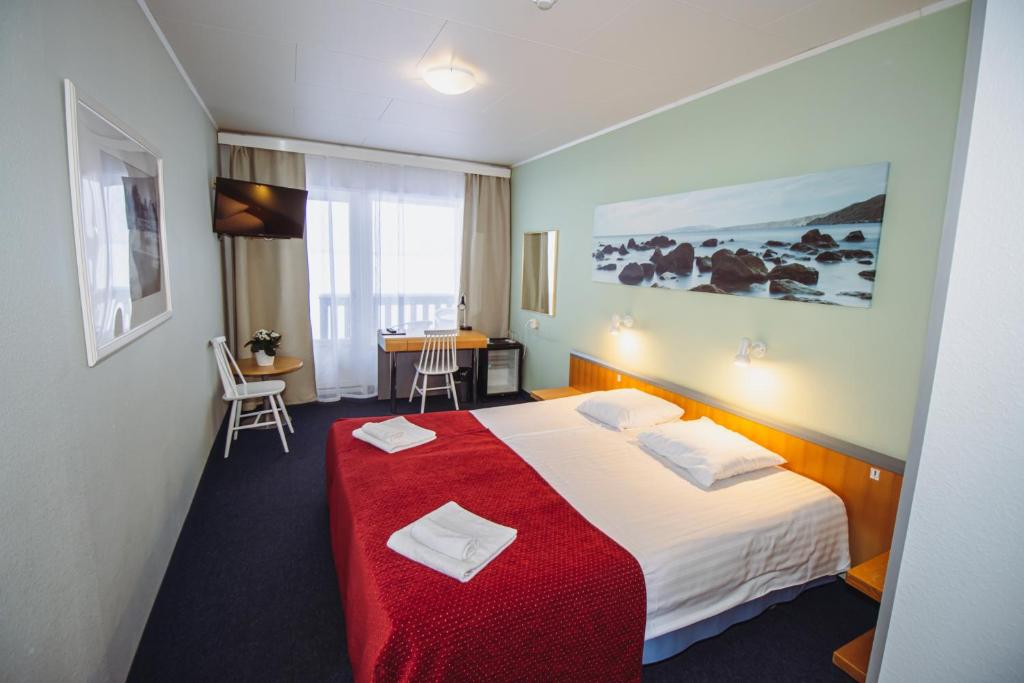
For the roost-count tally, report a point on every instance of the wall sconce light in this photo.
(618, 322)
(748, 348)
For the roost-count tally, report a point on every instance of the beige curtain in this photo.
(266, 282)
(486, 242)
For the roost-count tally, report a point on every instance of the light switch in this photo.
(875, 473)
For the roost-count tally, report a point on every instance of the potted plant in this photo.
(264, 345)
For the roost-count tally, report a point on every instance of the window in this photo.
(419, 259)
(327, 246)
(383, 246)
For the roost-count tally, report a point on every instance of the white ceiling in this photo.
(348, 71)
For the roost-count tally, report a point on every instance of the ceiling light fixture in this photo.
(449, 80)
(544, 4)
(747, 349)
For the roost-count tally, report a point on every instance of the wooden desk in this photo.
(282, 366)
(556, 392)
(412, 341)
(869, 578)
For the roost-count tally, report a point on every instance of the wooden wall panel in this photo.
(870, 505)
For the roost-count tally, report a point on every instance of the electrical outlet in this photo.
(875, 473)
(618, 377)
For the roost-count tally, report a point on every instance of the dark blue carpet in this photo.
(250, 592)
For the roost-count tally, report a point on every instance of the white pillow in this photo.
(629, 408)
(708, 451)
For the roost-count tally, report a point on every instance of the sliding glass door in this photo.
(383, 244)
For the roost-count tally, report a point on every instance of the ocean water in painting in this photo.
(809, 238)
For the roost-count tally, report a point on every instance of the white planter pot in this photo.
(263, 360)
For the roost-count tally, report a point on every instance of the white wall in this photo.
(97, 465)
(957, 604)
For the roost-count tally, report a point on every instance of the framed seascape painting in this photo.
(117, 203)
(812, 238)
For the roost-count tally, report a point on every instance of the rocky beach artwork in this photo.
(811, 238)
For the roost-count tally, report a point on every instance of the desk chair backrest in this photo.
(228, 369)
(438, 354)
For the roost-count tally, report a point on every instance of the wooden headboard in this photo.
(870, 505)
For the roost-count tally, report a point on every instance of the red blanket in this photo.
(563, 602)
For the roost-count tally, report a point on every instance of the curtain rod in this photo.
(328, 149)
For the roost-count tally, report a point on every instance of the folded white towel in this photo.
(491, 540)
(396, 432)
(444, 540)
(382, 432)
(360, 434)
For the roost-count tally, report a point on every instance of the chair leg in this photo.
(452, 390)
(412, 392)
(277, 421)
(287, 417)
(239, 409)
(231, 428)
(423, 393)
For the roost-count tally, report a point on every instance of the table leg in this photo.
(473, 374)
(393, 357)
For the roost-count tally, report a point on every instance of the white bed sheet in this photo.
(701, 551)
(536, 417)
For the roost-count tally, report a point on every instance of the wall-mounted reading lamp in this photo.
(618, 322)
(748, 348)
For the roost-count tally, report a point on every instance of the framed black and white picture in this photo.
(117, 203)
(813, 238)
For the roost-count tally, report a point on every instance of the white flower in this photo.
(265, 335)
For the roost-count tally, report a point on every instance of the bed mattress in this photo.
(702, 551)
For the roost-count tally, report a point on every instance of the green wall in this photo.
(97, 465)
(847, 372)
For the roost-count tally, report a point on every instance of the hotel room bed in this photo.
(707, 558)
(702, 551)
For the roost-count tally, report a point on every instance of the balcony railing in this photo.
(334, 315)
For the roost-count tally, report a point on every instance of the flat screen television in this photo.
(258, 210)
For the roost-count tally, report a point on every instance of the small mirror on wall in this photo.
(540, 261)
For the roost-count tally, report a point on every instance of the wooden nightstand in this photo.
(557, 392)
(869, 578)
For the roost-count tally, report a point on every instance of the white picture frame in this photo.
(117, 207)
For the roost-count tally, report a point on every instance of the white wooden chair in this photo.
(238, 392)
(436, 359)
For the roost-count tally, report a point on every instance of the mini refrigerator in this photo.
(501, 368)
